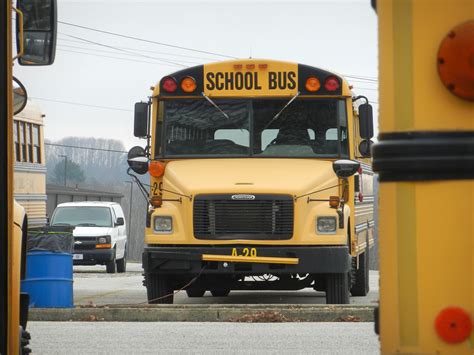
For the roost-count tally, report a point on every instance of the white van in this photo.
(100, 233)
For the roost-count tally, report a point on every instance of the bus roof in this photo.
(252, 78)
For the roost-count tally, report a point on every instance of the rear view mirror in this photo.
(137, 160)
(120, 221)
(366, 121)
(345, 168)
(36, 23)
(140, 128)
(19, 96)
(364, 148)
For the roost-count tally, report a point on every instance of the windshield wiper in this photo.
(86, 225)
(215, 105)
(281, 111)
(220, 110)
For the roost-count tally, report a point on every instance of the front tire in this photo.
(122, 263)
(111, 266)
(159, 289)
(337, 288)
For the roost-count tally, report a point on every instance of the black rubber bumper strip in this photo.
(415, 156)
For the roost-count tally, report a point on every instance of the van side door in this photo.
(121, 230)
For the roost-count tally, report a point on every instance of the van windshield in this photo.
(84, 216)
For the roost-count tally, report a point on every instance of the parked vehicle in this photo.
(100, 233)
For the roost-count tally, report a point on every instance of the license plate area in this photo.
(77, 257)
(245, 252)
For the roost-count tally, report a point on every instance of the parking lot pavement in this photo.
(93, 286)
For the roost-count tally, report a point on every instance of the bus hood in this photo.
(254, 175)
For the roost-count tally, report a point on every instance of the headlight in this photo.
(326, 225)
(163, 224)
(103, 240)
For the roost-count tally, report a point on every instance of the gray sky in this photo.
(340, 36)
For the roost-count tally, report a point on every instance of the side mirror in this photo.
(345, 168)
(364, 148)
(36, 29)
(140, 128)
(366, 121)
(120, 221)
(20, 96)
(137, 160)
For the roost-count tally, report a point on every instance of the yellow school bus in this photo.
(30, 166)
(425, 163)
(260, 180)
(36, 42)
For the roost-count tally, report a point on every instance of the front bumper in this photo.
(218, 260)
(94, 256)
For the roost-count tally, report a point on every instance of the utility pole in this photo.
(65, 168)
(130, 211)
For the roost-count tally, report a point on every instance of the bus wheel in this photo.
(337, 288)
(361, 285)
(159, 289)
(220, 292)
(195, 292)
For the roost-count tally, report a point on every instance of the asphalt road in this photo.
(93, 286)
(202, 338)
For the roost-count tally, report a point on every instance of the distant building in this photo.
(59, 194)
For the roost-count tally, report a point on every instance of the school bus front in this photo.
(242, 183)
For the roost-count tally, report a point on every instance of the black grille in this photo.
(256, 217)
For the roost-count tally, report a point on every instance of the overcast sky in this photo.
(337, 35)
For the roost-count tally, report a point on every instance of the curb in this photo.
(208, 313)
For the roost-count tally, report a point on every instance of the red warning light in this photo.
(453, 325)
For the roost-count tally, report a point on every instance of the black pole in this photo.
(4, 200)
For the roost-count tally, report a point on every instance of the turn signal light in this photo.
(453, 325)
(334, 201)
(169, 84)
(312, 84)
(331, 83)
(188, 84)
(156, 201)
(156, 168)
(103, 246)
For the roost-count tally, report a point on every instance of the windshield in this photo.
(85, 216)
(255, 127)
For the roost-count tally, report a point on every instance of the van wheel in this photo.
(159, 289)
(220, 292)
(195, 292)
(111, 266)
(122, 263)
(337, 288)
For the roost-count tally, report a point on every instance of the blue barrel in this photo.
(49, 279)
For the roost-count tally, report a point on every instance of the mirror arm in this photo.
(148, 135)
(139, 184)
(20, 26)
(354, 99)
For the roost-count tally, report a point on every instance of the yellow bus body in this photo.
(426, 224)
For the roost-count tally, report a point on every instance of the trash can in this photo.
(49, 268)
